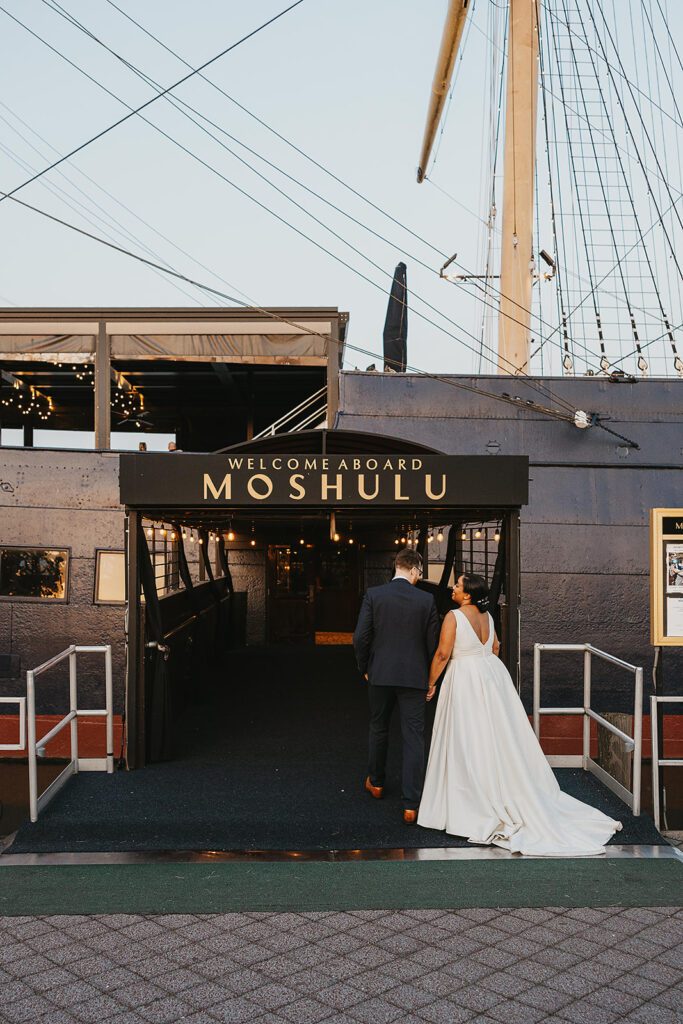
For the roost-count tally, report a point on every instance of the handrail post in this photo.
(537, 691)
(587, 668)
(73, 705)
(655, 760)
(637, 740)
(109, 704)
(32, 765)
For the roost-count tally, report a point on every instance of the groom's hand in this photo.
(430, 692)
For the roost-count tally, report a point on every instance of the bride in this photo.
(487, 777)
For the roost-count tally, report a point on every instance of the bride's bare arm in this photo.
(496, 644)
(443, 652)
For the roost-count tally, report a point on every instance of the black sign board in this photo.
(187, 480)
(672, 526)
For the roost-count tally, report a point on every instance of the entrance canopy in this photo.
(321, 469)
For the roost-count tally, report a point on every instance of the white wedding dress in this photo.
(487, 777)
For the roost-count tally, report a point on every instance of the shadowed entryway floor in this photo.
(273, 759)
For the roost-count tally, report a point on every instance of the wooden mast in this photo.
(517, 255)
(453, 28)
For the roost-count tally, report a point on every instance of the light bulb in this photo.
(201, 540)
(231, 535)
(336, 537)
(164, 532)
(439, 535)
(496, 536)
(301, 541)
(350, 540)
(150, 531)
(253, 542)
(396, 540)
(477, 534)
(463, 535)
(430, 538)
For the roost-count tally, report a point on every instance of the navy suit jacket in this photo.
(396, 635)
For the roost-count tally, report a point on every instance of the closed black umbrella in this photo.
(396, 323)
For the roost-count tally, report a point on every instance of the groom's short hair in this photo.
(408, 559)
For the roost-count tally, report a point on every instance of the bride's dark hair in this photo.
(478, 589)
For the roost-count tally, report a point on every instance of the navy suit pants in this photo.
(411, 709)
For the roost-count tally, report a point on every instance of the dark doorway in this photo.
(313, 591)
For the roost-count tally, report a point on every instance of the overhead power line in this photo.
(526, 405)
(535, 384)
(151, 100)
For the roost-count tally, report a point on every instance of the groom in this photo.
(396, 636)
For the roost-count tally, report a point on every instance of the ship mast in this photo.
(517, 258)
(517, 255)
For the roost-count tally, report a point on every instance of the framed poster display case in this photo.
(666, 577)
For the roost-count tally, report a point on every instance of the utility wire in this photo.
(516, 401)
(56, 7)
(151, 100)
(539, 387)
(326, 170)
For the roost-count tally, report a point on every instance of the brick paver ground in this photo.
(364, 967)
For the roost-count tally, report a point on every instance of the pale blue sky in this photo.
(348, 82)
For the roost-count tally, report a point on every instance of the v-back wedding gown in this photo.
(487, 777)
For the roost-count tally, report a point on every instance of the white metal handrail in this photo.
(584, 760)
(657, 761)
(293, 413)
(21, 701)
(36, 747)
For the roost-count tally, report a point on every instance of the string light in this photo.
(477, 533)
(27, 401)
(439, 535)
(496, 535)
(150, 532)
(463, 535)
(253, 538)
(430, 536)
(164, 532)
(336, 538)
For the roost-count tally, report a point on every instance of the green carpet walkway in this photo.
(182, 888)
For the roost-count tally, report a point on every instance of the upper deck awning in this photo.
(277, 336)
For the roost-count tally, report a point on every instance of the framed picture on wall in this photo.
(34, 574)
(110, 577)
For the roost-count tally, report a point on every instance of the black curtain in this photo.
(158, 703)
(396, 323)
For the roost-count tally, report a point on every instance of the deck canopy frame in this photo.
(181, 361)
(172, 488)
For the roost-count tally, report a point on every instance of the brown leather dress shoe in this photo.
(410, 817)
(375, 791)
